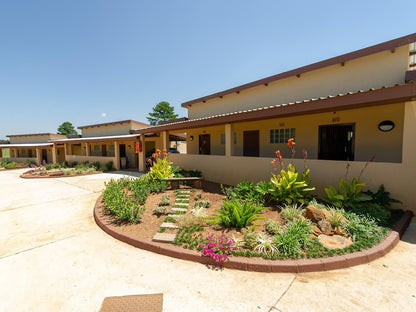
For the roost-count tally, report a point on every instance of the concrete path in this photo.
(53, 257)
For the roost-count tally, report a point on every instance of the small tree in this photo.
(161, 112)
(67, 129)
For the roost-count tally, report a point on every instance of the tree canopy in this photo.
(67, 129)
(161, 112)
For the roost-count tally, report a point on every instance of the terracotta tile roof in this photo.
(388, 45)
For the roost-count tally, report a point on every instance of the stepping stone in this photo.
(181, 205)
(169, 225)
(164, 238)
(179, 209)
(175, 215)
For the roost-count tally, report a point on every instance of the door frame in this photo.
(258, 142)
(200, 145)
(352, 154)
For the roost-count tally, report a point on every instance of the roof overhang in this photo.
(359, 99)
(99, 139)
(26, 145)
(388, 45)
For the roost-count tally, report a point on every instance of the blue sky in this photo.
(99, 61)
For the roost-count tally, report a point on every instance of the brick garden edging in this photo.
(247, 264)
(38, 176)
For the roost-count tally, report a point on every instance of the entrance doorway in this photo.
(205, 144)
(336, 142)
(44, 155)
(104, 150)
(251, 144)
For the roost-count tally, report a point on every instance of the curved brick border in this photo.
(57, 176)
(247, 264)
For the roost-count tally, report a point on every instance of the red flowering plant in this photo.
(289, 185)
(218, 247)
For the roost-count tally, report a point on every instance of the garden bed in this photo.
(54, 174)
(140, 234)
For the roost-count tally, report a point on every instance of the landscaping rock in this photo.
(325, 226)
(316, 230)
(334, 241)
(316, 214)
(339, 231)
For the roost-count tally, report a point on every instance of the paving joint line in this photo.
(274, 308)
(43, 245)
(44, 202)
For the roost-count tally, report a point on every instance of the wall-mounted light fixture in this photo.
(386, 125)
(129, 146)
(191, 138)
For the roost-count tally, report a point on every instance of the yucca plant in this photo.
(237, 214)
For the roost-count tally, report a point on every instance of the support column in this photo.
(117, 155)
(142, 154)
(229, 140)
(54, 154)
(38, 156)
(87, 149)
(165, 141)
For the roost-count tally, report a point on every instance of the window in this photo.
(282, 135)
(96, 148)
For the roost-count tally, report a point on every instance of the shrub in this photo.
(162, 169)
(199, 212)
(118, 201)
(272, 227)
(382, 197)
(160, 211)
(11, 165)
(245, 190)
(363, 228)
(237, 214)
(27, 162)
(109, 166)
(292, 212)
(165, 200)
(97, 165)
(202, 204)
(291, 187)
(250, 237)
(348, 195)
(198, 196)
(294, 238)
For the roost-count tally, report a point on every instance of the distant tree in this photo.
(161, 112)
(67, 129)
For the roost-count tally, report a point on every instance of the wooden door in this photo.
(205, 144)
(251, 143)
(104, 150)
(336, 142)
(122, 150)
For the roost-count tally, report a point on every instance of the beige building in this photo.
(342, 110)
(35, 148)
(114, 142)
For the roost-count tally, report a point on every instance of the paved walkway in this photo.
(53, 257)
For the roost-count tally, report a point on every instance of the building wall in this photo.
(369, 140)
(396, 177)
(116, 129)
(31, 139)
(215, 132)
(373, 71)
